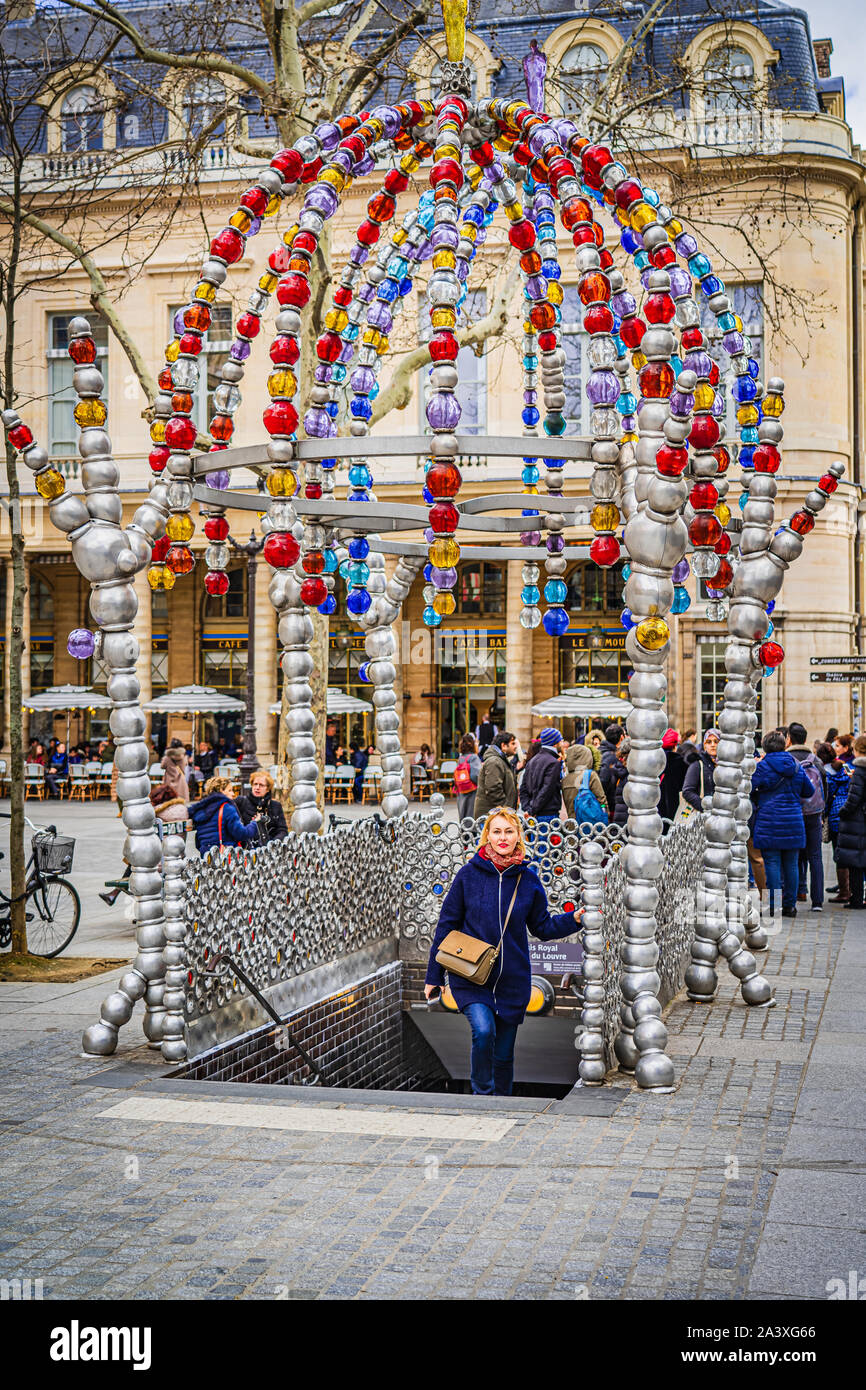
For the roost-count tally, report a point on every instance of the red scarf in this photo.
(499, 861)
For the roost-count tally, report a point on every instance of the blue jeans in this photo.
(783, 871)
(812, 857)
(491, 1067)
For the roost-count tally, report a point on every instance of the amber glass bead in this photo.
(444, 554)
(656, 380)
(283, 383)
(281, 482)
(181, 403)
(723, 512)
(604, 517)
(444, 603)
(50, 484)
(172, 351)
(594, 289)
(197, 316)
(90, 412)
(157, 431)
(160, 577)
(652, 633)
(180, 559)
(773, 406)
(704, 397)
(641, 216)
(180, 527)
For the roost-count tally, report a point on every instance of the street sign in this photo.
(836, 677)
(837, 660)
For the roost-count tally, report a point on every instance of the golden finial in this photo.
(454, 17)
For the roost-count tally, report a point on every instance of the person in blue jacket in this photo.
(216, 820)
(477, 903)
(779, 788)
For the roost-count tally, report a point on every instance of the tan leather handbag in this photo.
(468, 956)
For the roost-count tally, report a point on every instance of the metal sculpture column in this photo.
(592, 1066)
(381, 648)
(296, 634)
(251, 549)
(174, 951)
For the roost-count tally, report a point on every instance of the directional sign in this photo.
(837, 660)
(835, 677)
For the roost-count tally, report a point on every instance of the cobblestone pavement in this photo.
(746, 1182)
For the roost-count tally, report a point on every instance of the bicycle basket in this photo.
(53, 853)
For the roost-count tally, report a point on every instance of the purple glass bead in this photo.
(430, 535)
(323, 199)
(81, 643)
(718, 407)
(328, 136)
(240, 350)
(543, 199)
(733, 343)
(536, 287)
(358, 255)
(390, 118)
(316, 423)
(379, 316)
(179, 325)
(699, 362)
(645, 277)
(323, 371)
(541, 138)
(219, 479)
(425, 251)
(443, 579)
(255, 227)
(629, 423)
(681, 404)
(686, 245)
(347, 352)
(367, 293)
(603, 388)
(344, 160)
(530, 538)
(497, 173)
(446, 236)
(566, 130)
(363, 380)
(462, 270)
(443, 411)
(481, 237)
(681, 281)
(681, 571)
(365, 165)
(530, 397)
(555, 543)
(623, 304)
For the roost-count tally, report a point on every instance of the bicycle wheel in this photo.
(53, 909)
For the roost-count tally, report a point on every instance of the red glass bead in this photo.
(767, 458)
(355, 145)
(313, 562)
(20, 437)
(659, 308)
(723, 544)
(181, 403)
(542, 316)
(631, 330)
(446, 171)
(222, 427)
(342, 296)
(598, 319)
(368, 233)
(197, 316)
(305, 241)
(443, 517)
(626, 193)
(216, 528)
(703, 497)
(160, 550)
(248, 325)
(381, 207)
(215, 448)
(164, 381)
(574, 212)
(522, 234)
(216, 583)
(285, 351)
(329, 347)
(280, 258)
(82, 350)
(158, 458)
(828, 482)
(483, 155)
(281, 549)
(595, 159)
(584, 235)
(594, 289)
(704, 433)
(665, 255)
(312, 491)
(294, 290)
(604, 550)
(530, 263)
(255, 200)
(180, 433)
(547, 342)
(443, 480)
(723, 577)
(605, 258)
(692, 338)
(802, 522)
(713, 377)
(190, 344)
(313, 592)
(228, 245)
(180, 559)
(705, 529)
(396, 181)
(598, 233)
(671, 461)
(771, 654)
(443, 346)
(723, 458)
(656, 380)
(311, 171)
(289, 164)
(280, 418)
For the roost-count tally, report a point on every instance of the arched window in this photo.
(582, 75)
(41, 602)
(204, 104)
(729, 80)
(81, 121)
(435, 75)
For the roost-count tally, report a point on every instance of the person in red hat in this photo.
(673, 776)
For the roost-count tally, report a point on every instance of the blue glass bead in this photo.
(700, 266)
(530, 477)
(727, 322)
(770, 630)
(627, 403)
(364, 672)
(358, 601)
(626, 619)
(555, 622)
(359, 548)
(359, 573)
(711, 284)
(749, 434)
(617, 322)
(530, 362)
(768, 670)
(328, 464)
(676, 363)
(771, 605)
(555, 591)
(619, 345)
(743, 499)
(332, 408)
(374, 391)
(641, 260)
(430, 617)
(360, 475)
(553, 463)
(626, 570)
(405, 286)
(629, 241)
(488, 216)
(681, 599)
(754, 369)
(745, 389)
(551, 270)
(428, 573)
(474, 214)
(331, 561)
(530, 415)
(555, 424)
(328, 606)
(428, 496)
(344, 567)
(339, 372)
(557, 314)
(747, 456)
(651, 197)
(350, 332)
(530, 595)
(357, 495)
(544, 218)
(388, 291)
(397, 267)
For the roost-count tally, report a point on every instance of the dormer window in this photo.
(81, 121)
(204, 105)
(582, 75)
(729, 80)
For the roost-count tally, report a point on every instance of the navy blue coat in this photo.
(851, 844)
(204, 815)
(472, 906)
(779, 788)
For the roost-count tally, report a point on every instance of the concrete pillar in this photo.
(142, 631)
(518, 669)
(7, 633)
(265, 637)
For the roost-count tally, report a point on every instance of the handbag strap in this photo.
(220, 824)
(508, 915)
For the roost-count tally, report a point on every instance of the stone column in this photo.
(518, 667)
(265, 637)
(25, 626)
(142, 631)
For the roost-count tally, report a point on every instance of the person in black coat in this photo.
(613, 737)
(700, 773)
(851, 845)
(618, 774)
(673, 776)
(260, 804)
(541, 787)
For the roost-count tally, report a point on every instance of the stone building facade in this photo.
(482, 658)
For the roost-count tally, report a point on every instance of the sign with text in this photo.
(852, 660)
(555, 957)
(839, 677)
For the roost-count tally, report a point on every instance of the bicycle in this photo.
(52, 905)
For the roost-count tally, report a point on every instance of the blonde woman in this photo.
(261, 804)
(478, 903)
(215, 818)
